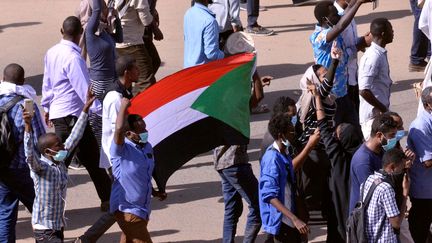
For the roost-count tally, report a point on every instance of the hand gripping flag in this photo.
(195, 110)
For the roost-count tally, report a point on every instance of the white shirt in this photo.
(374, 75)
(111, 107)
(227, 13)
(350, 37)
(11, 88)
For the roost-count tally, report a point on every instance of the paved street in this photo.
(193, 211)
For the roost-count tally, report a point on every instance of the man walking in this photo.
(15, 182)
(201, 35)
(64, 90)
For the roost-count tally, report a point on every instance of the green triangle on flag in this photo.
(227, 99)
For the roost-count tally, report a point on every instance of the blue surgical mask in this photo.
(391, 143)
(60, 155)
(286, 143)
(294, 120)
(400, 134)
(143, 137)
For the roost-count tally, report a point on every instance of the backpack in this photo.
(8, 144)
(356, 223)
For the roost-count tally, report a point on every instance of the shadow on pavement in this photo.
(403, 85)
(15, 25)
(185, 193)
(390, 15)
(283, 70)
(261, 238)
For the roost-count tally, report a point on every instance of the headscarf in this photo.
(350, 138)
(306, 97)
(25, 90)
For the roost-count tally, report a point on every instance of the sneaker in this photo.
(76, 166)
(105, 206)
(417, 67)
(259, 31)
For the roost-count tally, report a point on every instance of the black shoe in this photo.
(417, 67)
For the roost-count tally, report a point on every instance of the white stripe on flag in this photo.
(172, 117)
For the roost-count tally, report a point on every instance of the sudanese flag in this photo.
(195, 110)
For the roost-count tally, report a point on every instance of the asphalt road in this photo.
(193, 211)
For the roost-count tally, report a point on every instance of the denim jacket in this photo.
(272, 182)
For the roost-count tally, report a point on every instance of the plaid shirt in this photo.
(17, 123)
(50, 180)
(382, 206)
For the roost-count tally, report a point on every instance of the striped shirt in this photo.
(310, 123)
(50, 180)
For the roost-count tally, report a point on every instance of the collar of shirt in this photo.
(426, 115)
(380, 49)
(340, 10)
(71, 44)
(200, 6)
(48, 161)
(25, 90)
(275, 146)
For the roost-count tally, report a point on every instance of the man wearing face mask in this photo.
(420, 140)
(328, 30)
(50, 176)
(367, 159)
(133, 163)
(374, 75)
(387, 206)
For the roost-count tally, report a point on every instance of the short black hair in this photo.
(131, 121)
(426, 96)
(379, 26)
(72, 26)
(279, 124)
(44, 141)
(282, 103)
(14, 73)
(124, 63)
(393, 156)
(383, 123)
(322, 9)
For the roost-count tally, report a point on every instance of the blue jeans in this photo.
(15, 185)
(252, 8)
(420, 48)
(239, 182)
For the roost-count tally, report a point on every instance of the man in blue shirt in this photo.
(420, 141)
(132, 167)
(329, 28)
(201, 35)
(368, 158)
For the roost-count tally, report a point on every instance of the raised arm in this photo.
(93, 22)
(31, 159)
(327, 84)
(119, 133)
(345, 20)
(79, 127)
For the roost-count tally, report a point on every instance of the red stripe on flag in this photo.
(183, 82)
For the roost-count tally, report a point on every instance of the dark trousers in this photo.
(16, 186)
(286, 235)
(239, 182)
(48, 236)
(223, 37)
(420, 48)
(346, 112)
(252, 12)
(98, 228)
(420, 219)
(353, 94)
(87, 152)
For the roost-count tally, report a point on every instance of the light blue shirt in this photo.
(132, 167)
(201, 36)
(322, 56)
(420, 142)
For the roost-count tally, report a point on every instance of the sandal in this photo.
(260, 109)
